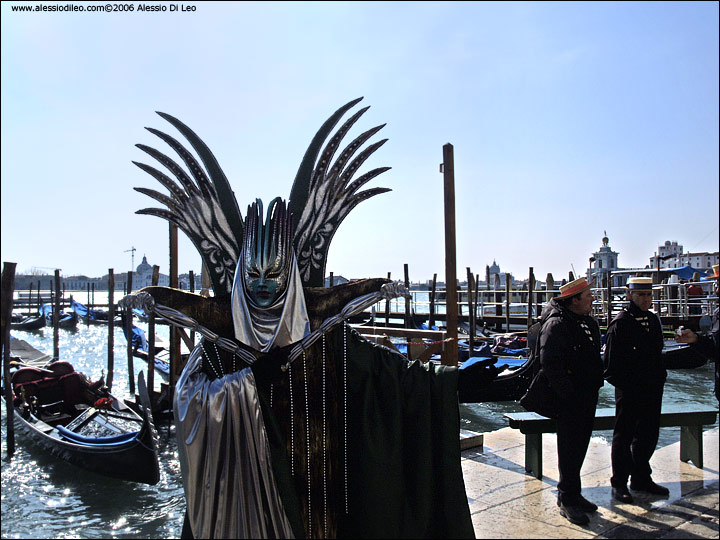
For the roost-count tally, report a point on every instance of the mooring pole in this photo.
(56, 318)
(129, 332)
(471, 309)
(8, 289)
(111, 328)
(387, 308)
(175, 366)
(151, 339)
(450, 358)
(431, 322)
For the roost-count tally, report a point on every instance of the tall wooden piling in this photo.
(111, 329)
(151, 339)
(431, 320)
(549, 287)
(8, 290)
(407, 300)
(450, 358)
(498, 303)
(56, 318)
(387, 308)
(508, 298)
(175, 364)
(531, 288)
(29, 300)
(129, 333)
(471, 310)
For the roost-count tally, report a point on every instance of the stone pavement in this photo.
(505, 502)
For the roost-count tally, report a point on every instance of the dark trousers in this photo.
(574, 429)
(637, 427)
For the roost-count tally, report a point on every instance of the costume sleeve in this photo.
(555, 345)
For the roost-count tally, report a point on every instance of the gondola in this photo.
(82, 423)
(91, 315)
(65, 320)
(35, 322)
(141, 348)
(482, 379)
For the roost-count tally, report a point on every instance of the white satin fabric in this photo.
(284, 322)
(225, 456)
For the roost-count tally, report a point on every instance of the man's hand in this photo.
(685, 335)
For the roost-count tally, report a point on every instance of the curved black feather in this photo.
(225, 195)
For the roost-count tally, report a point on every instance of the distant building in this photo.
(671, 255)
(494, 270)
(603, 261)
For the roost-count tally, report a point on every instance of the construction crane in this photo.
(132, 258)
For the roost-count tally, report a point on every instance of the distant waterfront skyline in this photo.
(567, 119)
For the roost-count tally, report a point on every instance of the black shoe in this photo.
(622, 494)
(587, 506)
(574, 514)
(650, 487)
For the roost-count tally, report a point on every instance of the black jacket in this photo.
(569, 348)
(633, 351)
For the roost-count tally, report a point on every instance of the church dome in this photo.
(494, 269)
(144, 267)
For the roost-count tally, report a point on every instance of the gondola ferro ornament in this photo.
(289, 423)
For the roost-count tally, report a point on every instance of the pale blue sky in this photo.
(567, 119)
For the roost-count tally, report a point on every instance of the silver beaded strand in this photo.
(292, 423)
(217, 375)
(324, 441)
(345, 412)
(307, 437)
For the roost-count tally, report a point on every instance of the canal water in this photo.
(43, 497)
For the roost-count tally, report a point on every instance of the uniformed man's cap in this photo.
(640, 284)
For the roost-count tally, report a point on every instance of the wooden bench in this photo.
(691, 422)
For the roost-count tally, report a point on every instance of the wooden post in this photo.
(407, 300)
(111, 328)
(191, 288)
(175, 364)
(204, 281)
(38, 297)
(387, 309)
(471, 311)
(8, 290)
(450, 358)
(431, 320)
(56, 318)
(549, 287)
(498, 303)
(508, 293)
(128, 329)
(531, 288)
(477, 297)
(29, 300)
(331, 281)
(151, 339)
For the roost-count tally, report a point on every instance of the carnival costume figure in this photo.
(289, 423)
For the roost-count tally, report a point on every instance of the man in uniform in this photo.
(570, 356)
(708, 346)
(633, 364)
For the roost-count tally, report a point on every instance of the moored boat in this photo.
(80, 422)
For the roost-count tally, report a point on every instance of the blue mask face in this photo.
(267, 253)
(263, 286)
